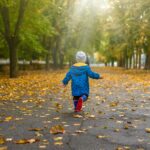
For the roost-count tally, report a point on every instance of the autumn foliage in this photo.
(41, 94)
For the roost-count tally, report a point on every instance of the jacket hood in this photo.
(78, 70)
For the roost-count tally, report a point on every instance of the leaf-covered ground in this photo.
(37, 113)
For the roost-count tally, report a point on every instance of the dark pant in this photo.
(76, 98)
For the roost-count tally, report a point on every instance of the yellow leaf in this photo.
(35, 129)
(3, 148)
(58, 138)
(58, 106)
(56, 118)
(77, 116)
(33, 140)
(57, 129)
(58, 143)
(120, 148)
(91, 116)
(147, 130)
(126, 127)
(116, 130)
(113, 104)
(21, 141)
(123, 148)
(2, 140)
(101, 136)
(26, 141)
(80, 131)
(76, 124)
(7, 119)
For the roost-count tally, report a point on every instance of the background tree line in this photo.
(53, 30)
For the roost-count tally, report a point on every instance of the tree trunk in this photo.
(127, 63)
(124, 58)
(47, 66)
(112, 63)
(54, 55)
(134, 60)
(13, 61)
(12, 38)
(139, 58)
(48, 46)
(120, 62)
(136, 64)
(61, 59)
(147, 63)
(130, 62)
(55, 52)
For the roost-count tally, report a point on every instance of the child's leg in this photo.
(75, 101)
(84, 98)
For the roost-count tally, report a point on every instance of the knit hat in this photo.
(80, 56)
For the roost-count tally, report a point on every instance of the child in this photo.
(79, 74)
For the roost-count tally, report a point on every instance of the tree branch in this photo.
(22, 7)
(6, 22)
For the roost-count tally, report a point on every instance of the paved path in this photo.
(114, 117)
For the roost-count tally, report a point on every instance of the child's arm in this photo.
(67, 78)
(92, 74)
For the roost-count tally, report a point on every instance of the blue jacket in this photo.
(79, 74)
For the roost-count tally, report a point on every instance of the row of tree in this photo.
(53, 30)
(127, 33)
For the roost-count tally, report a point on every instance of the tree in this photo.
(11, 31)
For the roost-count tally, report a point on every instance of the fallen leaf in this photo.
(56, 118)
(105, 127)
(26, 141)
(36, 129)
(129, 122)
(3, 148)
(33, 140)
(147, 130)
(38, 134)
(91, 116)
(76, 124)
(58, 138)
(21, 141)
(58, 143)
(112, 118)
(42, 146)
(113, 104)
(119, 121)
(116, 130)
(123, 148)
(2, 140)
(57, 129)
(100, 112)
(9, 139)
(58, 106)
(7, 119)
(126, 127)
(77, 116)
(79, 131)
(101, 136)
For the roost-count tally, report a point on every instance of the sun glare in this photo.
(96, 4)
(82, 17)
